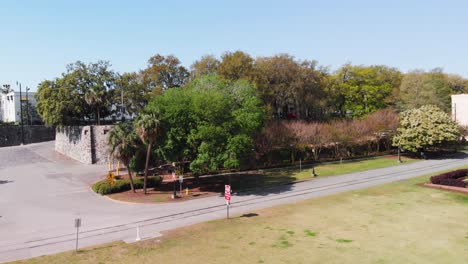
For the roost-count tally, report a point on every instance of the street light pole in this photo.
(121, 100)
(21, 114)
(399, 156)
(27, 105)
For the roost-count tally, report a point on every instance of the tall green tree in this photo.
(147, 128)
(210, 122)
(164, 72)
(208, 64)
(236, 65)
(123, 144)
(457, 83)
(287, 85)
(63, 101)
(132, 93)
(358, 90)
(425, 127)
(420, 88)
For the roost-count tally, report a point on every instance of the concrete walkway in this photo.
(41, 193)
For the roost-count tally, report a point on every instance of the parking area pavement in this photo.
(42, 192)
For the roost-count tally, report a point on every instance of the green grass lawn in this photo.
(394, 223)
(287, 175)
(337, 168)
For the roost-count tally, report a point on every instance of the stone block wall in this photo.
(87, 144)
(11, 135)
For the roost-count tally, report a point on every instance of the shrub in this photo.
(103, 187)
(449, 175)
(453, 182)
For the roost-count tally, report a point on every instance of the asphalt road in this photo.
(42, 192)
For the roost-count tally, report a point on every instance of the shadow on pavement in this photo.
(3, 182)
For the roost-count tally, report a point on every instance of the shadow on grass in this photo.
(241, 183)
(441, 156)
(249, 215)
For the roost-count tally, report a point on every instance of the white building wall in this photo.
(460, 108)
(10, 105)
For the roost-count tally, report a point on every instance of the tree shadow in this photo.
(3, 182)
(241, 183)
(444, 155)
(249, 215)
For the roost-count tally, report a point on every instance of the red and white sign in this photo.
(227, 192)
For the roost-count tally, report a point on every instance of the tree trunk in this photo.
(148, 153)
(131, 179)
(98, 117)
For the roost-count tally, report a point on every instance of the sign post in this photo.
(174, 179)
(181, 180)
(227, 197)
(77, 226)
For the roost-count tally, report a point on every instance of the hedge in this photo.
(103, 187)
(453, 182)
(449, 175)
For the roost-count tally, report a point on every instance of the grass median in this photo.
(293, 174)
(400, 222)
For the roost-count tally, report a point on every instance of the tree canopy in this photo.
(420, 88)
(425, 127)
(360, 90)
(210, 122)
(63, 101)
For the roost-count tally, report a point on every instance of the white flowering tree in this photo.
(425, 127)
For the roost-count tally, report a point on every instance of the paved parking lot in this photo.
(42, 192)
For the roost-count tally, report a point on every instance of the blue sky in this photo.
(38, 38)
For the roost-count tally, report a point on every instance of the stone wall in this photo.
(87, 144)
(11, 135)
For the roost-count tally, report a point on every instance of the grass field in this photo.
(400, 222)
(243, 181)
(287, 175)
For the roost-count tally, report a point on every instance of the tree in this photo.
(290, 86)
(457, 83)
(236, 65)
(147, 127)
(59, 104)
(164, 72)
(425, 127)
(134, 93)
(208, 64)
(359, 90)
(63, 101)
(94, 98)
(123, 144)
(210, 122)
(420, 88)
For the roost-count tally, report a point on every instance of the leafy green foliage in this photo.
(164, 72)
(134, 93)
(427, 126)
(103, 187)
(210, 122)
(207, 64)
(359, 90)
(82, 92)
(236, 65)
(420, 88)
(287, 85)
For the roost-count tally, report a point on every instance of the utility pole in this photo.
(21, 114)
(27, 105)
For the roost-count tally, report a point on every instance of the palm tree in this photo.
(122, 142)
(147, 125)
(94, 98)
